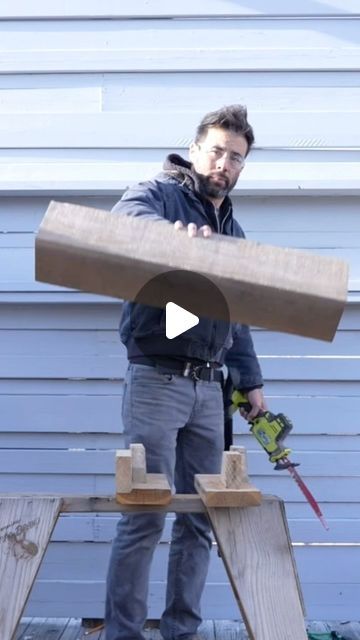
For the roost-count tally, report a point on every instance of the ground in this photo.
(74, 629)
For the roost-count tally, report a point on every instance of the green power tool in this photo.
(269, 429)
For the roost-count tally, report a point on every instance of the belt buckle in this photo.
(194, 374)
(191, 371)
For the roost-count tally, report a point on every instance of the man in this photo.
(173, 399)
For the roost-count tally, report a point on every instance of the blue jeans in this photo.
(180, 423)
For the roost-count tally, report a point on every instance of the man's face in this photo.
(218, 161)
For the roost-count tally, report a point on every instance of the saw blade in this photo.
(307, 493)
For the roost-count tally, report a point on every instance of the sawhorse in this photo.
(251, 532)
(253, 542)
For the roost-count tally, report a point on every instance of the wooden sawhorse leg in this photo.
(255, 547)
(254, 542)
(26, 525)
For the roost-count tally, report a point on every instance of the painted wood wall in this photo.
(92, 97)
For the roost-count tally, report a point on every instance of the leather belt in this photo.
(196, 370)
(207, 371)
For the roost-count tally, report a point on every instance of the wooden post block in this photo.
(243, 465)
(116, 255)
(234, 469)
(123, 471)
(25, 528)
(231, 488)
(133, 485)
(255, 547)
(138, 463)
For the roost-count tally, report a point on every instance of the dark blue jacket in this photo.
(173, 195)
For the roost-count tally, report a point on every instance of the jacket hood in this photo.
(181, 170)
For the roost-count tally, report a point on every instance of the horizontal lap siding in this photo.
(216, 583)
(335, 602)
(161, 8)
(91, 99)
(314, 129)
(84, 171)
(181, 45)
(123, 120)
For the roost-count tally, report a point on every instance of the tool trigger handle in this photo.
(240, 401)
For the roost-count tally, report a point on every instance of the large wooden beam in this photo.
(179, 503)
(182, 503)
(116, 255)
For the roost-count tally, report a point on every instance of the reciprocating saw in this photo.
(270, 430)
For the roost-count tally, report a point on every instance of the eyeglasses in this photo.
(216, 152)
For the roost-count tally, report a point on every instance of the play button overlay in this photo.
(178, 320)
(176, 313)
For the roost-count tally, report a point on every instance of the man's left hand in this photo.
(193, 231)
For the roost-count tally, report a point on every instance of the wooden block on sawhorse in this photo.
(133, 484)
(255, 547)
(26, 525)
(231, 488)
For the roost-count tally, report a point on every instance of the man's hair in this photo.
(232, 118)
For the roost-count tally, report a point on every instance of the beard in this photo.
(217, 185)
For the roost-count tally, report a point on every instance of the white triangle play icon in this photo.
(178, 320)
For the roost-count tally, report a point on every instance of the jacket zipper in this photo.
(224, 220)
(217, 221)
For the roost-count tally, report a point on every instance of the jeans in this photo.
(180, 423)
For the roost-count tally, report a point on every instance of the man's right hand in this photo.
(205, 231)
